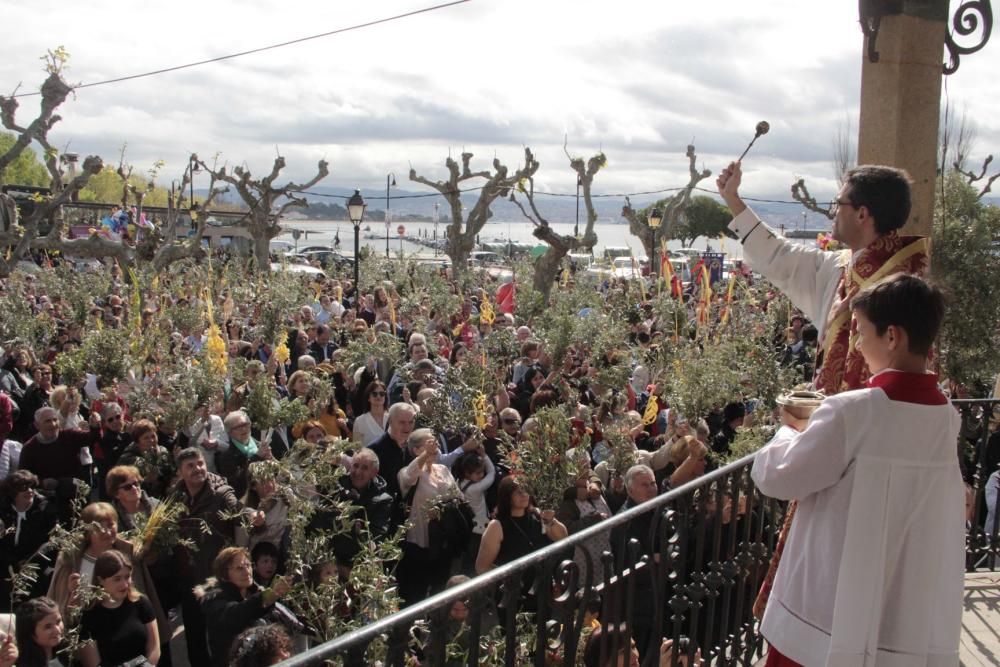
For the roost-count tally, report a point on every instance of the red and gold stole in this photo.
(843, 366)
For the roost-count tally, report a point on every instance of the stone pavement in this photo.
(981, 620)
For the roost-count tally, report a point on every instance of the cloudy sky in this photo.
(636, 78)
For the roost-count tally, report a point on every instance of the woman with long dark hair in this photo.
(517, 529)
(533, 378)
(371, 425)
(298, 345)
(121, 626)
(39, 633)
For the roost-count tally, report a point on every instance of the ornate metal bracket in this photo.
(964, 23)
(870, 16)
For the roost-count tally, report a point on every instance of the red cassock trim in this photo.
(775, 659)
(919, 388)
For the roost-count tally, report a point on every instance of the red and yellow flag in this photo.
(705, 299)
(729, 299)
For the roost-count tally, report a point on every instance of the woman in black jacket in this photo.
(533, 378)
(232, 602)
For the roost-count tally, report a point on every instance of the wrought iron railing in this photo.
(982, 541)
(685, 566)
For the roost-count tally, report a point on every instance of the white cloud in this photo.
(636, 78)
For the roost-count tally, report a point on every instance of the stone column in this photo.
(901, 99)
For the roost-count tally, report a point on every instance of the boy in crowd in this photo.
(873, 567)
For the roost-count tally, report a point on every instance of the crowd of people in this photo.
(122, 521)
(227, 568)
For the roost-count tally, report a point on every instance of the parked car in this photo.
(482, 258)
(327, 258)
(296, 268)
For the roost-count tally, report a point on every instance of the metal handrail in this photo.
(982, 547)
(691, 585)
(496, 576)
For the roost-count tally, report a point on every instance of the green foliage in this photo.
(106, 187)
(361, 349)
(18, 324)
(748, 440)
(267, 411)
(623, 450)
(106, 354)
(703, 216)
(173, 393)
(332, 607)
(966, 264)
(727, 362)
(26, 169)
(540, 458)
(274, 300)
(561, 327)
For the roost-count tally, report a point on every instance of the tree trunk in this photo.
(673, 208)
(547, 271)
(262, 252)
(498, 184)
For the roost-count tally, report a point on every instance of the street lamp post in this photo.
(655, 218)
(388, 176)
(356, 212)
(436, 228)
(576, 227)
(192, 207)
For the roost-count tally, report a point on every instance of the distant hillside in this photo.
(328, 203)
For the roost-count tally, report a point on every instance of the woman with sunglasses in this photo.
(146, 454)
(124, 487)
(370, 426)
(156, 565)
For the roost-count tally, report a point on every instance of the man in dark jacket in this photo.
(57, 457)
(210, 503)
(640, 485)
(35, 397)
(391, 449)
(371, 506)
(322, 348)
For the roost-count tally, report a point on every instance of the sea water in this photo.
(323, 232)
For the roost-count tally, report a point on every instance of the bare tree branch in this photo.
(972, 177)
(54, 93)
(171, 249)
(800, 193)
(673, 209)
(261, 198)
(26, 238)
(548, 265)
(462, 230)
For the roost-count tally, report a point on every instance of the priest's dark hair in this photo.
(884, 191)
